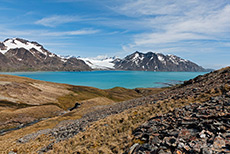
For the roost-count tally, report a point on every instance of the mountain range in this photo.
(18, 54)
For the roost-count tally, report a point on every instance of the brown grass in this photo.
(12, 118)
(23, 100)
(114, 133)
(110, 135)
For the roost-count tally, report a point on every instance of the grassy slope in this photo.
(23, 100)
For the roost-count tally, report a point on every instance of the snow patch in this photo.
(161, 58)
(176, 59)
(137, 59)
(173, 59)
(52, 55)
(63, 60)
(14, 43)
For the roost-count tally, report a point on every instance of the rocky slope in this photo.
(22, 55)
(156, 62)
(195, 128)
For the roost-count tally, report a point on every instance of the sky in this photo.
(197, 30)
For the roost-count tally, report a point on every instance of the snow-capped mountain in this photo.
(22, 55)
(143, 62)
(100, 62)
(155, 62)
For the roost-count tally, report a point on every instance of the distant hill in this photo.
(22, 55)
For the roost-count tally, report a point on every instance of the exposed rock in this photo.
(32, 136)
(206, 132)
(75, 106)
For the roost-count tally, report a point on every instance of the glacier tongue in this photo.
(99, 63)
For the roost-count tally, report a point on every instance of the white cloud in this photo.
(176, 21)
(7, 33)
(71, 33)
(167, 7)
(56, 20)
(146, 7)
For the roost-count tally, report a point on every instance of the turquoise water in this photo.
(110, 79)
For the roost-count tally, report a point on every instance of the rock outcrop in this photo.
(195, 128)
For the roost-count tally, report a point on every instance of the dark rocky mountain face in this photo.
(2, 46)
(22, 55)
(155, 62)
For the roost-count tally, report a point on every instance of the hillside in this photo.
(113, 128)
(25, 101)
(22, 55)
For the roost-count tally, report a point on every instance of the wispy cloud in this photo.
(44, 33)
(56, 20)
(71, 33)
(177, 21)
(191, 27)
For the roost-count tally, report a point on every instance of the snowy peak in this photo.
(22, 55)
(155, 62)
(17, 43)
(137, 56)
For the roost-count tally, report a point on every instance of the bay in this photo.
(110, 79)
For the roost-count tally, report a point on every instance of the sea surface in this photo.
(110, 79)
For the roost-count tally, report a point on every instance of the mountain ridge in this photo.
(22, 55)
(18, 54)
(156, 62)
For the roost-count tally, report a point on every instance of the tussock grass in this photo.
(23, 100)
(114, 133)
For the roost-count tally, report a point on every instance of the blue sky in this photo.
(198, 30)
